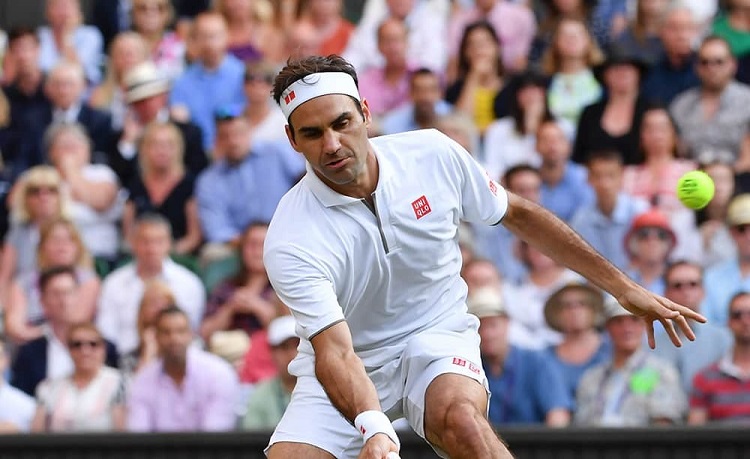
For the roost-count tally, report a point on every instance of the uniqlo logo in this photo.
(421, 207)
(493, 187)
(473, 368)
(289, 97)
(459, 362)
(362, 429)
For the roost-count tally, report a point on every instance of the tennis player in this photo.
(364, 251)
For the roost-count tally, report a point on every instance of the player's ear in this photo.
(366, 112)
(290, 136)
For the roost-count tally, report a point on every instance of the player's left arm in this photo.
(552, 236)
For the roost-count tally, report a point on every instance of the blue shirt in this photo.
(232, 196)
(526, 390)
(722, 282)
(607, 233)
(572, 373)
(664, 82)
(657, 285)
(570, 193)
(496, 244)
(402, 118)
(203, 92)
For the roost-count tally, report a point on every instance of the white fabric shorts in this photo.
(311, 418)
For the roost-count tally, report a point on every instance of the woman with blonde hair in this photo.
(127, 50)
(164, 187)
(67, 38)
(91, 399)
(157, 296)
(253, 34)
(151, 20)
(569, 61)
(60, 244)
(37, 198)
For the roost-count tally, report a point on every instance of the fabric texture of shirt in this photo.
(571, 373)
(402, 119)
(591, 135)
(569, 194)
(204, 402)
(121, 296)
(568, 94)
(59, 363)
(723, 391)
(666, 81)
(722, 282)
(739, 41)
(86, 41)
(645, 389)
(204, 91)
(381, 94)
(606, 233)
(173, 207)
(390, 272)
(727, 128)
(69, 408)
(526, 390)
(232, 196)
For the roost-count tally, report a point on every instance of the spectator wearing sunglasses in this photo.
(263, 115)
(649, 243)
(721, 392)
(91, 398)
(684, 285)
(723, 119)
(728, 277)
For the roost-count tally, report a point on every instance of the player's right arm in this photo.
(343, 376)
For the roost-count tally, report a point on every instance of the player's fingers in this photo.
(685, 327)
(671, 332)
(650, 334)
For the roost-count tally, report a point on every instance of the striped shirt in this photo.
(723, 390)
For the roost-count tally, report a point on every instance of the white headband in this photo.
(316, 85)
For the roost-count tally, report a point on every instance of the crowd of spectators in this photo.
(142, 158)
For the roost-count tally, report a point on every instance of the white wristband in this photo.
(374, 422)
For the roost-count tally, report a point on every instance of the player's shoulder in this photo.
(296, 209)
(410, 146)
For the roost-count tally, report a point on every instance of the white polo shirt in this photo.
(389, 273)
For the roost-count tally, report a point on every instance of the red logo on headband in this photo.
(289, 97)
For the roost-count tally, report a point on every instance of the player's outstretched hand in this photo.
(650, 307)
(379, 446)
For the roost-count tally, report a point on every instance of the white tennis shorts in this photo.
(311, 418)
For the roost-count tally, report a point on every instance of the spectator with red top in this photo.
(334, 30)
(721, 392)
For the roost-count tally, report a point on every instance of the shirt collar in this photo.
(727, 366)
(330, 198)
(69, 115)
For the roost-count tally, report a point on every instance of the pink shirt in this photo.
(639, 181)
(382, 96)
(205, 402)
(514, 24)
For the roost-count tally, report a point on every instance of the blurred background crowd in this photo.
(142, 158)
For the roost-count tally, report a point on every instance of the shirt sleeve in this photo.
(304, 287)
(483, 200)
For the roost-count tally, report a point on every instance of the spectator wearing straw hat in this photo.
(575, 311)
(633, 387)
(524, 390)
(726, 279)
(147, 93)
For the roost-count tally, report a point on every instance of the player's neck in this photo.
(741, 356)
(364, 185)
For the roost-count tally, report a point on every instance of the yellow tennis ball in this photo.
(695, 189)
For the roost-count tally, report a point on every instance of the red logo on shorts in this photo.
(473, 368)
(459, 362)
(289, 97)
(421, 207)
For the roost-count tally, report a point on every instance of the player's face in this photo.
(332, 135)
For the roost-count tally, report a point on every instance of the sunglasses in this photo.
(37, 190)
(251, 77)
(78, 344)
(684, 284)
(715, 62)
(227, 113)
(737, 315)
(645, 233)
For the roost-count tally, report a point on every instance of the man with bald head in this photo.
(213, 81)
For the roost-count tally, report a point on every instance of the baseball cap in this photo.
(281, 329)
(144, 81)
(738, 212)
(486, 302)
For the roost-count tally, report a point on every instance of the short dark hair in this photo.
(679, 263)
(49, 274)
(735, 297)
(171, 310)
(19, 32)
(422, 71)
(152, 219)
(712, 38)
(516, 170)
(604, 155)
